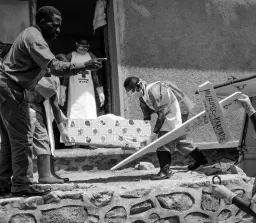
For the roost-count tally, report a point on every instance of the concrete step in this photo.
(80, 159)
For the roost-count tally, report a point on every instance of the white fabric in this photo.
(99, 14)
(253, 203)
(173, 118)
(81, 95)
(111, 116)
(146, 96)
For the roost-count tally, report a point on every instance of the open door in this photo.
(78, 23)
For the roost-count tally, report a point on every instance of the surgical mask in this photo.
(81, 49)
(136, 94)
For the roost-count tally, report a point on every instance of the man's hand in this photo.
(65, 138)
(246, 103)
(220, 191)
(92, 65)
(150, 139)
(64, 134)
(101, 95)
(64, 119)
(62, 98)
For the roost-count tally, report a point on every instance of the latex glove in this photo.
(93, 65)
(246, 103)
(64, 119)
(220, 191)
(101, 95)
(62, 98)
(64, 134)
(150, 139)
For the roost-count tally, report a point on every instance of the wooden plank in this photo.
(227, 105)
(214, 112)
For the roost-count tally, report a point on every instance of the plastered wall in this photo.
(187, 42)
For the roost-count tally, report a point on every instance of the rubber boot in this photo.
(5, 190)
(44, 171)
(199, 158)
(164, 158)
(53, 171)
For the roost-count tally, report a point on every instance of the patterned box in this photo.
(108, 131)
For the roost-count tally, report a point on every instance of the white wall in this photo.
(14, 17)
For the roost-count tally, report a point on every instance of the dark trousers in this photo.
(182, 144)
(16, 137)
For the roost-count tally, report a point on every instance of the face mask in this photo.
(82, 49)
(82, 52)
(136, 94)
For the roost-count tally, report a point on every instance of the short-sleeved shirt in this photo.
(29, 55)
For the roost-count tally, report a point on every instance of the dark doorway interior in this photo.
(78, 22)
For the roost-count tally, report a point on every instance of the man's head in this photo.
(133, 87)
(49, 20)
(82, 46)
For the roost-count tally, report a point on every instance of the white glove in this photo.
(64, 119)
(220, 191)
(62, 98)
(91, 65)
(101, 95)
(246, 103)
(64, 134)
(150, 139)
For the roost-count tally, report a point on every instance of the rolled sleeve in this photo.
(44, 58)
(41, 54)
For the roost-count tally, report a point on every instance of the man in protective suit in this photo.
(166, 100)
(81, 103)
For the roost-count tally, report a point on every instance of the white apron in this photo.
(81, 96)
(173, 118)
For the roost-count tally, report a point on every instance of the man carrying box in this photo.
(166, 100)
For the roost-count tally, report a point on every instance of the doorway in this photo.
(78, 23)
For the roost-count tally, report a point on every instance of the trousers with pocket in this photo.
(41, 144)
(16, 137)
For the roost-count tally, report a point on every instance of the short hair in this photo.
(82, 42)
(46, 13)
(131, 82)
(62, 57)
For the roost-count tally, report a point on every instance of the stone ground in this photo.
(129, 178)
(105, 158)
(129, 196)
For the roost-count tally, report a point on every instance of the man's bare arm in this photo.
(56, 109)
